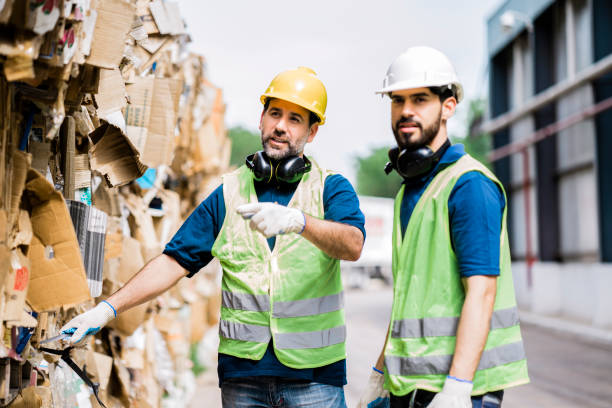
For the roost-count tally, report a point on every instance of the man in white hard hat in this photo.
(454, 338)
(279, 226)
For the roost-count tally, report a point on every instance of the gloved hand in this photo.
(89, 322)
(454, 394)
(375, 396)
(272, 219)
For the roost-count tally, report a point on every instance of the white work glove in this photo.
(375, 396)
(88, 323)
(454, 394)
(273, 219)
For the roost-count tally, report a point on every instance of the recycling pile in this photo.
(110, 135)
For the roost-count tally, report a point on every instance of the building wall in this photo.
(570, 192)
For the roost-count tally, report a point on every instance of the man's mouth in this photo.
(277, 142)
(408, 127)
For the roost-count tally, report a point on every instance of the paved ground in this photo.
(566, 371)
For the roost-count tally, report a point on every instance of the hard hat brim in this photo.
(398, 86)
(293, 99)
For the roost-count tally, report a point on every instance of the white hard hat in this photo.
(421, 67)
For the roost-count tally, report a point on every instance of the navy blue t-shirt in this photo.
(191, 248)
(475, 209)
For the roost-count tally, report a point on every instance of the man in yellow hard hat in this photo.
(279, 226)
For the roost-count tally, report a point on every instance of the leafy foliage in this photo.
(371, 179)
(244, 142)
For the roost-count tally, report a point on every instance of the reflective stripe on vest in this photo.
(300, 340)
(245, 301)
(306, 340)
(447, 326)
(440, 364)
(295, 308)
(244, 332)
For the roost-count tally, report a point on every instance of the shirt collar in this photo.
(450, 156)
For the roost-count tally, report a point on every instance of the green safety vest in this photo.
(429, 294)
(291, 295)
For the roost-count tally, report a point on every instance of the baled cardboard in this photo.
(16, 286)
(141, 225)
(145, 16)
(113, 24)
(22, 233)
(84, 125)
(19, 68)
(111, 96)
(3, 227)
(21, 164)
(107, 199)
(198, 320)
(113, 245)
(99, 366)
(41, 152)
(153, 106)
(5, 11)
(82, 175)
(57, 274)
(41, 17)
(114, 156)
(167, 17)
(131, 262)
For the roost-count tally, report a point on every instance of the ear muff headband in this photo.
(414, 163)
(288, 170)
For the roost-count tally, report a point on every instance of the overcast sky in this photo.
(349, 44)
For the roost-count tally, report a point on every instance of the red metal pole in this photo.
(527, 200)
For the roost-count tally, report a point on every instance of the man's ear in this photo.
(448, 107)
(312, 132)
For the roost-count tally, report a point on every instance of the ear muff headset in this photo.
(288, 170)
(414, 163)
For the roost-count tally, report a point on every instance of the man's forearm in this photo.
(474, 324)
(340, 241)
(157, 276)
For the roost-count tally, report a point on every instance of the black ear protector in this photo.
(414, 163)
(288, 170)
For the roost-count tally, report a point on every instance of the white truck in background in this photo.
(375, 260)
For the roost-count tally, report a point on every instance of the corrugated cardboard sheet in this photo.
(151, 117)
(114, 156)
(113, 23)
(57, 275)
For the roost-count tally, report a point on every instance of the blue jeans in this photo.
(275, 392)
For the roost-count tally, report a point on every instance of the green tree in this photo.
(371, 179)
(477, 143)
(244, 142)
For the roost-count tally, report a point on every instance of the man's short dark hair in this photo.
(443, 92)
(312, 119)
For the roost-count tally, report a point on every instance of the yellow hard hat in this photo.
(300, 86)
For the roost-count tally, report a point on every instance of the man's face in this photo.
(285, 129)
(416, 116)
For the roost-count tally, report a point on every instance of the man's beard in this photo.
(291, 149)
(427, 134)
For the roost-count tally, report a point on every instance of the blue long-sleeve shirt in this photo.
(475, 210)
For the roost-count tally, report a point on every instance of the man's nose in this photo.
(407, 110)
(281, 125)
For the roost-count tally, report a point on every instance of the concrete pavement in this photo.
(569, 365)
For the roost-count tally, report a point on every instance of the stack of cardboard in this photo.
(102, 110)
